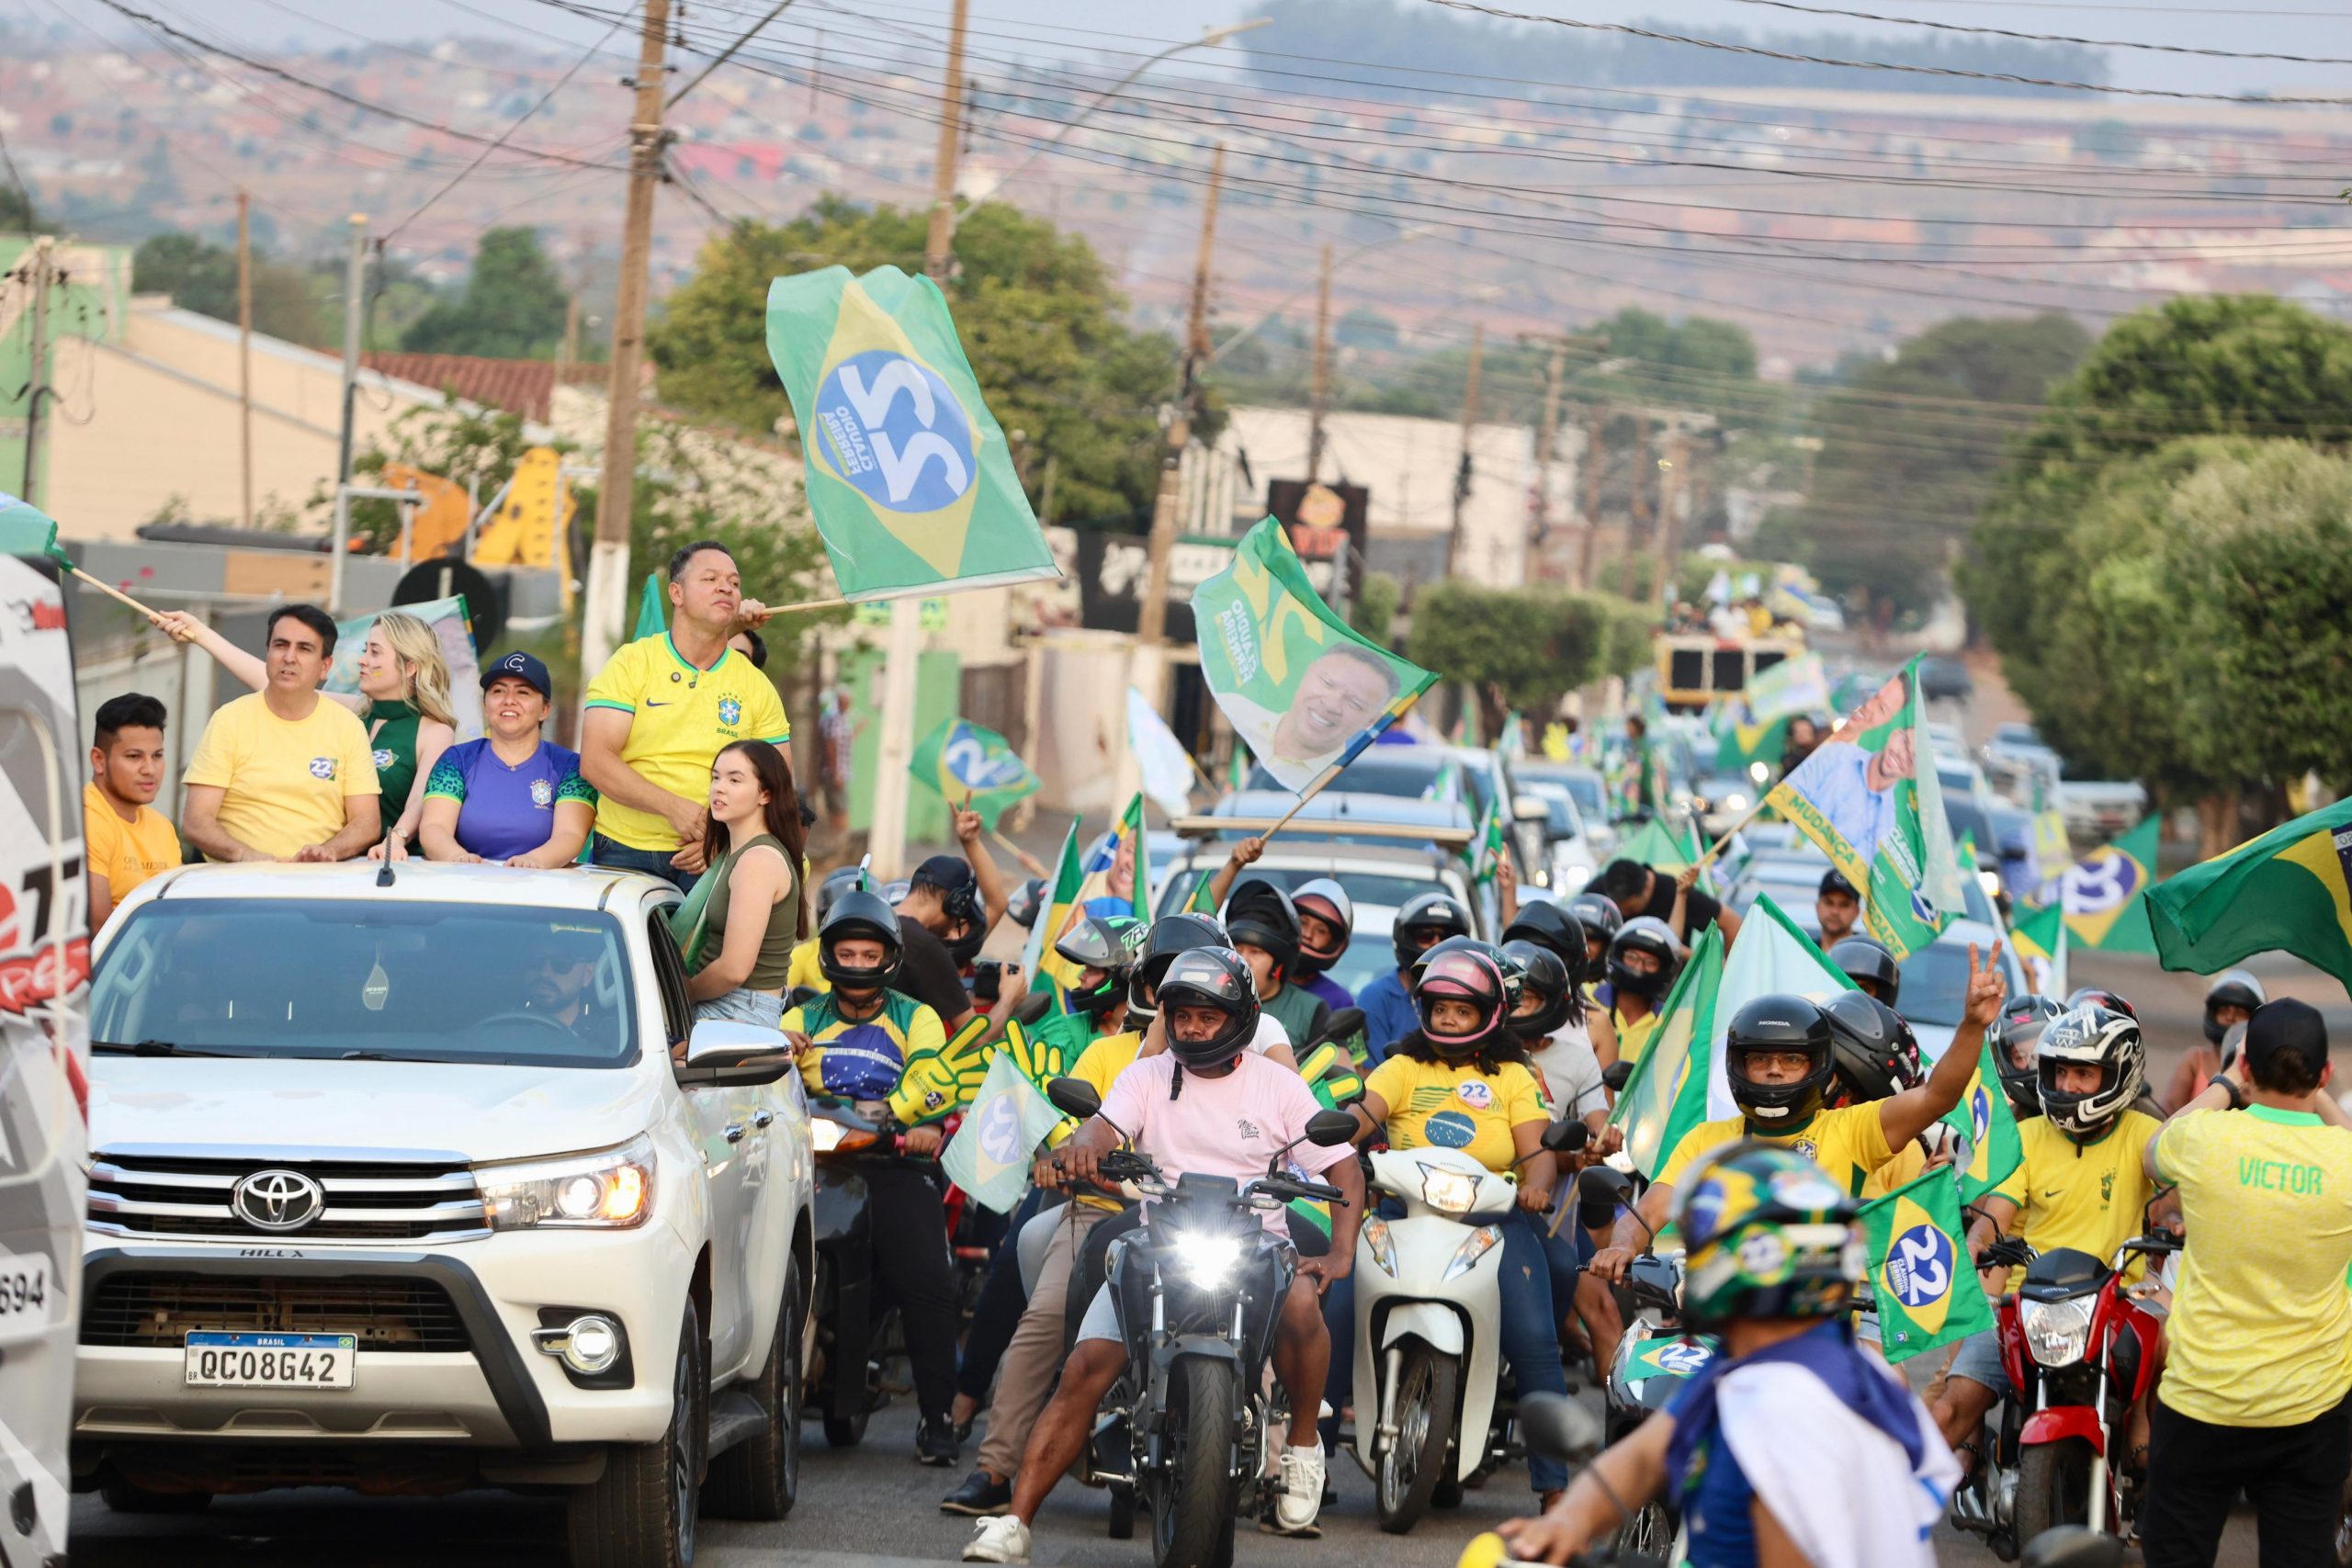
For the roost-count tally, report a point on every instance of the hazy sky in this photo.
(2312, 28)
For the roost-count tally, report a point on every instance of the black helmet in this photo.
(2019, 1028)
(859, 913)
(2092, 996)
(1602, 920)
(1328, 901)
(1552, 925)
(1782, 1022)
(1874, 1052)
(1866, 961)
(1214, 978)
(1028, 901)
(838, 881)
(2092, 1036)
(1644, 934)
(2234, 989)
(1464, 974)
(1108, 943)
(1437, 912)
(1542, 974)
(1169, 936)
(1260, 912)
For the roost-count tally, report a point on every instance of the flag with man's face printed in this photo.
(1868, 795)
(1292, 679)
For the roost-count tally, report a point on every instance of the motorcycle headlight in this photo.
(1448, 1192)
(2056, 1332)
(1734, 801)
(1206, 1260)
(1384, 1246)
(608, 1190)
(1474, 1245)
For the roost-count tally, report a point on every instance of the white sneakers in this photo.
(1301, 1497)
(1002, 1537)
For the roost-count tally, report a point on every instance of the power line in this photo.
(2054, 38)
(1726, 47)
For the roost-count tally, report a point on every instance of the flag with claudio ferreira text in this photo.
(989, 1156)
(909, 476)
(1868, 797)
(1919, 1274)
(1292, 678)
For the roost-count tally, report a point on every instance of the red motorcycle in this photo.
(2079, 1344)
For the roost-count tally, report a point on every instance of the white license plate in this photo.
(271, 1360)
(27, 1288)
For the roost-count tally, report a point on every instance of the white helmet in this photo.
(2096, 1037)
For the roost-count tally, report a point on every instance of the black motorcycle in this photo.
(853, 1327)
(1198, 1287)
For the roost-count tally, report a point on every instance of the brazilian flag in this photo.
(909, 476)
(2106, 893)
(1984, 1119)
(1920, 1269)
(2287, 891)
(961, 760)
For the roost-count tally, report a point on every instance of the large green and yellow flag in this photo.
(1054, 912)
(2287, 891)
(1868, 797)
(1926, 1291)
(909, 476)
(1292, 679)
(1983, 1118)
(1667, 1095)
(2106, 893)
(961, 760)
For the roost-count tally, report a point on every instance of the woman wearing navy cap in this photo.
(512, 797)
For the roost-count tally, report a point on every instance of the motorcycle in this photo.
(2079, 1348)
(844, 1379)
(1428, 1313)
(1655, 1356)
(1198, 1285)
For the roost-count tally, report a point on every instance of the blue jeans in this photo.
(615, 856)
(1529, 1330)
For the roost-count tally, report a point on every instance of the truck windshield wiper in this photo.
(153, 1048)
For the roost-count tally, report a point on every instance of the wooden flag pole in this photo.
(1029, 863)
(111, 592)
(1757, 811)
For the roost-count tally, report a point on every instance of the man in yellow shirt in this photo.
(2254, 1390)
(657, 713)
(2079, 1185)
(1778, 1057)
(284, 774)
(124, 838)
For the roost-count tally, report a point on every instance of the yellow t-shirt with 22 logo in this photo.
(1454, 1106)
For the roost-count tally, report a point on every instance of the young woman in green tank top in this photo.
(753, 914)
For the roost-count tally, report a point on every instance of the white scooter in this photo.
(1428, 1322)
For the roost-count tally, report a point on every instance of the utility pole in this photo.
(1548, 437)
(615, 490)
(1670, 487)
(355, 288)
(902, 655)
(570, 355)
(244, 359)
(1637, 503)
(1595, 427)
(1320, 393)
(37, 385)
(1469, 426)
(1151, 616)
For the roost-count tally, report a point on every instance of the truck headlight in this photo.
(610, 1190)
(2056, 1332)
(1381, 1245)
(1206, 1258)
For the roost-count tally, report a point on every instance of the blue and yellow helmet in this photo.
(1769, 1235)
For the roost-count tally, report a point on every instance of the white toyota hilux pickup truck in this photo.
(431, 1182)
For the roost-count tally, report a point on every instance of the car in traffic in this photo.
(423, 1179)
(1945, 680)
(1572, 852)
(1935, 978)
(1478, 776)
(1585, 786)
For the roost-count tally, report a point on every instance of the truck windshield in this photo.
(327, 978)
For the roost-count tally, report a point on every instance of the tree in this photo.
(1911, 451)
(1067, 380)
(512, 307)
(1375, 610)
(200, 276)
(1519, 648)
(16, 210)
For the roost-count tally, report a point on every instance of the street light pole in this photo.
(1210, 39)
(1319, 390)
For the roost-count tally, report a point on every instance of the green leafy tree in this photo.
(1519, 649)
(1911, 450)
(1375, 612)
(512, 307)
(1069, 381)
(200, 276)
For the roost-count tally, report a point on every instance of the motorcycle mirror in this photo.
(1567, 1136)
(1074, 1096)
(1329, 1129)
(1602, 1184)
(1341, 1025)
(1559, 1428)
(1614, 1076)
(2071, 1546)
(1033, 1007)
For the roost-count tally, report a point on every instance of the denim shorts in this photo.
(744, 1006)
(1980, 1361)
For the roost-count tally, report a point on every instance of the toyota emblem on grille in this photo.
(277, 1199)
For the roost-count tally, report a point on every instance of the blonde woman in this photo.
(403, 699)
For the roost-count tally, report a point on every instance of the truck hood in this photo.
(362, 1109)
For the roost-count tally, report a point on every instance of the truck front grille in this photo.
(157, 1310)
